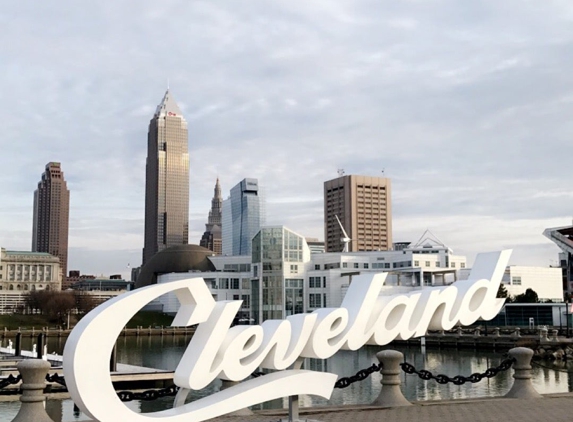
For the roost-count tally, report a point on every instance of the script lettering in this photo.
(218, 350)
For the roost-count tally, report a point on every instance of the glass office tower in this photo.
(277, 287)
(243, 216)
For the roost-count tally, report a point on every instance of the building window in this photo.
(313, 282)
(463, 265)
(314, 300)
(317, 266)
(516, 281)
(427, 263)
(246, 302)
(235, 297)
(437, 263)
(345, 265)
(366, 265)
(416, 263)
(453, 265)
(294, 269)
(356, 265)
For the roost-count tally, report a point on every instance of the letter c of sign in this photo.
(89, 346)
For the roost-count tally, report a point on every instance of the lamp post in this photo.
(567, 316)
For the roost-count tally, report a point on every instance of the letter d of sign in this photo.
(218, 350)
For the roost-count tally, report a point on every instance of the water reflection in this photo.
(164, 352)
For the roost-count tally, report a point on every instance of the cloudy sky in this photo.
(466, 106)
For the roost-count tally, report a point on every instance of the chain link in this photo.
(359, 376)
(56, 378)
(10, 380)
(148, 395)
(458, 379)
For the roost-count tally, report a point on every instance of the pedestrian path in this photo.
(551, 408)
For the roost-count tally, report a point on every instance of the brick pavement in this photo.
(551, 408)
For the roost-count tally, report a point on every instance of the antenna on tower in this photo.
(340, 172)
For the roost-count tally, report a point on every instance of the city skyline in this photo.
(465, 107)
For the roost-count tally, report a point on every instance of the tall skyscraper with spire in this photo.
(212, 237)
(166, 179)
(52, 215)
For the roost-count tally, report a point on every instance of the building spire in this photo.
(168, 106)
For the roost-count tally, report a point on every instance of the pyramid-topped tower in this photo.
(166, 179)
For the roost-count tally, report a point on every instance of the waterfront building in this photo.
(73, 277)
(545, 281)
(282, 276)
(563, 238)
(278, 263)
(244, 213)
(211, 238)
(51, 216)
(166, 180)
(22, 272)
(363, 206)
(315, 245)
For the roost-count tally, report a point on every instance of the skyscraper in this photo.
(51, 215)
(243, 216)
(212, 237)
(363, 205)
(166, 180)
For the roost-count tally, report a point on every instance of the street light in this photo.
(567, 316)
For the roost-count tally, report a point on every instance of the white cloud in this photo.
(464, 105)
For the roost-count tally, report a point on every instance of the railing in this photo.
(33, 375)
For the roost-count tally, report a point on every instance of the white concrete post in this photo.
(390, 395)
(33, 373)
(522, 387)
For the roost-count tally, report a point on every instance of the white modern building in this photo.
(545, 281)
(282, 277)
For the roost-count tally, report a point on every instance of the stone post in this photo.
(522, 387)
(477, 332)
(33, 373)
(555, 335)
(496, 332)
(460, 331)
(390, 395)
(543, 334)
(516, 333)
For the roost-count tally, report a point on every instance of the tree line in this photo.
(56, 305)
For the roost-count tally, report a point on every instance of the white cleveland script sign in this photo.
(218, 350)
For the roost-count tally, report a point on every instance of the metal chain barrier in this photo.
(56, 378)
(533, 363)
(458, 379)
(10, 380)
(148, 395)
(359, 376)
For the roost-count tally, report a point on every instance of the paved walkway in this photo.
(551, 408)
